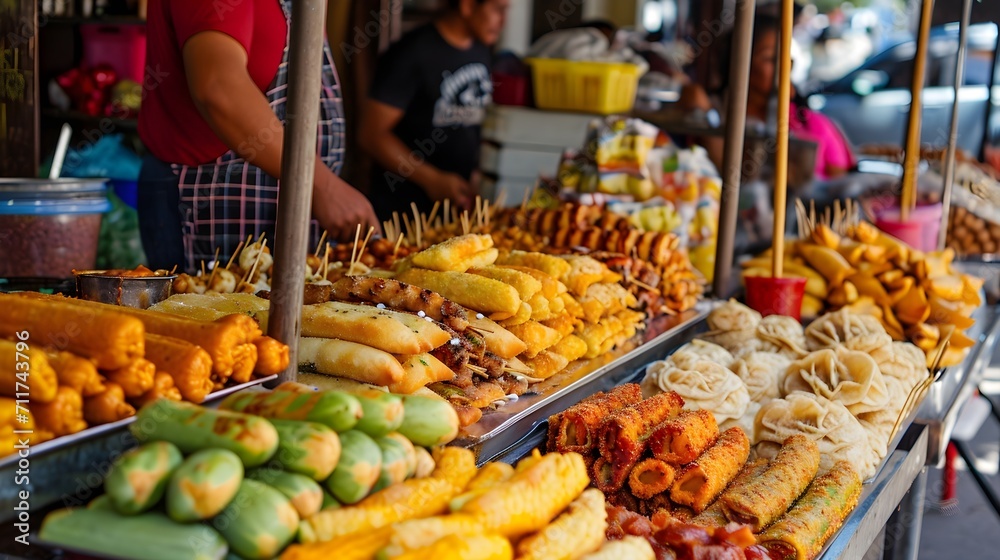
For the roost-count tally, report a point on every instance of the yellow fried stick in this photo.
(553, 266)
(481, 294)
(578, 531)
(453, 253)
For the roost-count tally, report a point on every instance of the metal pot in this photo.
(140, 292)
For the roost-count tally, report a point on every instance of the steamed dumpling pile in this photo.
(734, 327)
(845, 376)
(839, 327)
(704, 385)
(781, 335)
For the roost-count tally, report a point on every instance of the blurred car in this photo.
(872, 102)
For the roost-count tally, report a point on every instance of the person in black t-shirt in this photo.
(421, 122)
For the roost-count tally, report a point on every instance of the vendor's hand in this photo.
(339, 208)
(452, 186)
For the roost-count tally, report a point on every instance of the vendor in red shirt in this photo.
(212, 119)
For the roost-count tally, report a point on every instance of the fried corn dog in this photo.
(272, 357)
(189, 365)
(683, 438)
(76, 372)
(135, 379)
(650, 477)
(107, 407)
(101, 332)
(575, 429)
(801, 532)
(63, 415)
(767, 496)
(700, 482)
(622, 437)
(714, 515)
(17, 365)
(244, 362)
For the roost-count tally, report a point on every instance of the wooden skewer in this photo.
(354, 248)
(501, 198)
(641, 284)
(173, 270)
(319, 245)
(911, 161)
(256, 261)
(325, 265)
(203, 268)
(399, 241)
(781, 157)
(233, 256)
(431, 217)
(447, 211)
(215, 265)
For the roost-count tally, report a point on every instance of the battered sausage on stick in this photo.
(350, 360)
(135, 378)
(97, 331)
(190, 366)
(389, 331)
(244, 362)
(62, 416)
(163, 388)
(42, 383)
(485, 295)
(398, 295)
(76, 372)
(272, 356)
(107, 407)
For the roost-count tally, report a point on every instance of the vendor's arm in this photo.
(378, 140)
(215, 65)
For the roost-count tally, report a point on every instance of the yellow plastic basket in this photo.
(591, 87)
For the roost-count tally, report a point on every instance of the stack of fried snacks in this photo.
(768, 495)
(701, 481)
(622, 437)
(575, 429)
(26, 371)
(801, 532)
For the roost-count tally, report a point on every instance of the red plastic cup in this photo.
(776, 296)
(919, 232)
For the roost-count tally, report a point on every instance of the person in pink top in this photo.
(834, 156)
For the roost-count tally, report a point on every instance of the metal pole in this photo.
(732, 158)
(305, 62)
(989, 97)
(949, 160)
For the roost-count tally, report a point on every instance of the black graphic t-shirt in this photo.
(443, 92)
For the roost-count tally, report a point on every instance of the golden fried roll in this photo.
(163, 388)
(622, 437)
(651, 477)
(102, 332)
(189, 365)
(449, 254)
(576, 428)
(498, 340)
(421, 370)
(272, 357)
(683, 438)
(135, 379)
(62, 416)
(107, 407)
(475, 292)
(244, 362)
(26, 373)
(546, 364)
(800, 533)
(714, 516)
(78, 373)
(762, 500)
(701, 481)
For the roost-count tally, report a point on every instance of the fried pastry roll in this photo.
(683, 438)
(700, 482)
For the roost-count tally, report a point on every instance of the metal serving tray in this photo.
(71, 469)
(501, 431)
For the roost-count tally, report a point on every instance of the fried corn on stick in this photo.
(553, 266)
(451, 254)
(714, 515)
(410, 499)
(101, 332)
(532, 497)
(475, 292)
(189, 365)
(622, 437)
(77, 373)
(682, 439)
(578, 531)
(700, 482)
(107, 407)
(462, 547)
(802, 531)
(63, 415)
(575, 430)
(17, 365)
(762, 500)
(135, 379)
(651, 477)
(631, 547)
(272, 356)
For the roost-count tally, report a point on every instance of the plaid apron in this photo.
(224, 201)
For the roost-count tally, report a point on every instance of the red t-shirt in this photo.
(169, 123)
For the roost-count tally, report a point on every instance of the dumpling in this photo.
(869, 343)
(879, 423)
(700, 349)
(733, 316)
(762, 373)
(901, 360)
(704, 385)
(737, 342)
(782, 335)
(745, 422)
(838, 327)
(835, 430)
(841, 375)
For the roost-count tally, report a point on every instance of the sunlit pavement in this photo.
(969, 529)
